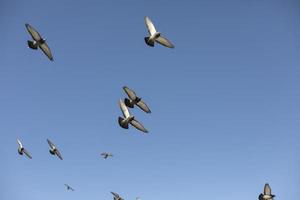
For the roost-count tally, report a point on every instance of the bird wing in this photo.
(115, 194)
(34, 34)
(143, 106)
(58, 154)
(138, 125)
(19, 143)
(45, 48)
(131, 94)
(51, 144)
(124, 109)
(27, 153)
(267, 189)
(164, 41)
(150, 26)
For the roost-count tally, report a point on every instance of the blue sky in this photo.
(225, 102)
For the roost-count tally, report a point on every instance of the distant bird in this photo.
(38, 41)
(135, 100)
(105, 155)
(117, 196)
(22, 150)
(53, 150)
(69, 187)
(155, 36)
(267, 194)
(129, 119)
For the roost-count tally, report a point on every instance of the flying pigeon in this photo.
(155, 36)
(129, 119)
(267, 195)
(22, 150)
(117, 196)
(105, 155)
(53, 150)
(69, 187)
(135, 100)
(38, 41)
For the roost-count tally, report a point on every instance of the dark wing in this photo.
(138, 126)
(267, 189)
(34, 34)
(27, 153)
(131, 94)
(143, 106)
(115, 194)
(45, 48)
(50, 144)
(58, 154)
(165, 42)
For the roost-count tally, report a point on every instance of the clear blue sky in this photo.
(225, 102)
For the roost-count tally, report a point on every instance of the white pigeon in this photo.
(155, 36)
(267, 195)
(38, 41)
(22, 150)
(53, 150)
(129, 119)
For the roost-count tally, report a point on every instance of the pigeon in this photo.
(117, 196)
(53, 150)
(38, 41)
(129, 119)
(22, 150)
(155, 36)
(69, 187)
(105, 155)
(135, 100)
(267, 195)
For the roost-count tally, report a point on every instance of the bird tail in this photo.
(128, 103)
(149, 42)
(32, 45)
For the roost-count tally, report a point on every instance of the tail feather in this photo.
(149, 42)
(31, 45)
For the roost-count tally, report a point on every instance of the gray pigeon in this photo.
(267, 194)
(128, 118)
(105, 155)
(69, 187)
(38, 41)
(22, 150)
(155, 36)
(53, 150)
(135, 100)
(117, 196)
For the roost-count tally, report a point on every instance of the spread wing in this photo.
(124, 109)
(164, 41)
(51, 144)
(138, 125)
(45, 48)
(19, 143)
(58, 154)
(131, 94)
(115, 194)
(150, 26)
(143, 106)
(34, 34)
(267, 189)
(27, 153)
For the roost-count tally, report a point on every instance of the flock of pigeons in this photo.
(130, 102)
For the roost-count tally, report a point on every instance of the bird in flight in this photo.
(267, 194)
(155, 36)
(116, 196)
(135, 100)
(105, 155)
(22, 150)
(53, 150)
(69, 187)
(38, 41)
(129, 119)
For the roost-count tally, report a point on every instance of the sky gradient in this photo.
(225, 102)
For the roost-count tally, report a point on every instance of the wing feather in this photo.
(138, 125)
(143, 106)
(45, 48)
(150, 26)
(124, 109)
(131, 94)
(34, 33)
(267, 189)
(164, 41)
(58, 154)
(27, 153)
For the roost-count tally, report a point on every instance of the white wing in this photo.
(150, 26)
(124, 109)
(19, 143)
